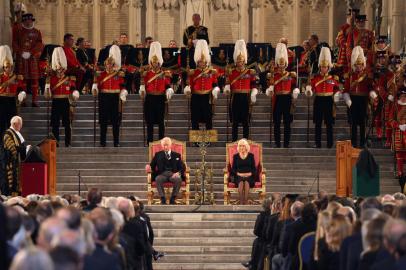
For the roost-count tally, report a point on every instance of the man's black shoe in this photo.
(172, 200)
(163, 200)
(157, 255)
(246, 264)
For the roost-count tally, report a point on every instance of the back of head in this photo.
(392, 233)
(65, 258)
(372, 233)
(309, 213)
(14, 222)
(94, 196)
(48, 230)
(338, 229)
(103, 223)
(32, 259)
(296, 209)
(371, 202)
(71, 216)
(71, 239)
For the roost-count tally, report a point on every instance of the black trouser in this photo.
(61, 110)
(109, 114)
(282, 110)
(209, 125)
(323, 111)
(245, 130)
(358, 111)
(201, 111)
(150, 131)
(103, 132)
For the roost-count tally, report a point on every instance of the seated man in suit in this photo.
(167, 166)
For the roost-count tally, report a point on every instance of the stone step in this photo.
(181, 225)
(203, 249)
(203, 258)
(212, 241)
(206, 233)
(198, 266)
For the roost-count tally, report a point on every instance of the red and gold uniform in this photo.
(241, 83)
(304, 64)
(324, 88)
(156, 82)
(358, 85)
(283, 83)
(364, 38)
(110, 85)
(10, 85)
(201, 83)
(341, 42)
(28, 40)
(61, 89)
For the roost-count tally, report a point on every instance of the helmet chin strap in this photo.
(32, 26)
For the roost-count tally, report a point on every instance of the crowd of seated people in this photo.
(68, 232)
(330, 233)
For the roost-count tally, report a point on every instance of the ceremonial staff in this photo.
(271, 73)
(308, 105)
(188, 97)
(143, 111)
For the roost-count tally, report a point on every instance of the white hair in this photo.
(166, 139)
(245, 143)
(16, 119)
(32, 258)
(118, 219)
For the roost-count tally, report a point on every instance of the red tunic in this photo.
(10, 89)
(202, 81)
(324, 85)
(71, 57)
(384, 85)
(62, 87)
(28, 40)
(244, 84)
(303, 63)
(158, 85)
(341, 41)
(109, 82)
(358, 84)
(283, 83)
(361, 37)
(397, 117)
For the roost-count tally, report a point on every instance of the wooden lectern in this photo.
(346, 157)
(48, 151)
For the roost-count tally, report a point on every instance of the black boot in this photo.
(172, 200)
(402, 181)
(163, 200)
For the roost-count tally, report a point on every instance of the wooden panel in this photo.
(346, 157)
(48, 150)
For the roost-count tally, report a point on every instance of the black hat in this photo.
(382, 39)
(361, 18)
(402, 91)
(28, 16)
(292, 197)
(353, 10)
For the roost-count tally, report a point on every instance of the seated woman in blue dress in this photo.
(243, 171)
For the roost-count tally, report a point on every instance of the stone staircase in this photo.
(211, 237)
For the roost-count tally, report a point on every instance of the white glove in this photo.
(215, 92)
(169, 93)
(75, 95)
(373, 95)
(269, 91)
(227, 89)
(337, 97)
(26, 55)
(47, 92)
(390, 98)
(123, 95)
(402, 127)
(142, 90)
(95, 89)
(308, 91)
(347, 99)
(187, 91)
(254, 94)
(295, 93)
(21, 96)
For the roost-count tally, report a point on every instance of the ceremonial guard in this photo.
(398, 122)
(195, 32)
(326, 91)
(61, 89)
(385, 87)
(27, 46)
(155, 91)
(11, 89)
(109, 87)
(360, 36)
(241, 83)
(281, 83)
(202, 85)
(358, 87)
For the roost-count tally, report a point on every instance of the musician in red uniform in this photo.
(325, 88)
(109, 87)
(27, 46)
(155, 90)
(60, 88)
(398, 121)
(281, 83)
(241, 83)
(11, 89)
(304, 60)
(341, 40)
(385, 87)
(202, 85)
(358, 87)
(360, 36)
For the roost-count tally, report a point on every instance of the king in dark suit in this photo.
(167, 166)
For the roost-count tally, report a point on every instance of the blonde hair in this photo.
(323, 221)
(245, 143)
(338, 229)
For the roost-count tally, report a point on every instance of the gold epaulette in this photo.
(191, 72)
(336, 78)
(293, 74)
(252, 71)
(20, 77)
(121, 73)
(72, 78)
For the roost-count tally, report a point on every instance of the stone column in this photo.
(258, 19)
(397, 27)
(297, 23)
(331, 22)
(369, 11)
(134, 21)
(244, 19)
(96, 23)
(60, 22)
(5, 23)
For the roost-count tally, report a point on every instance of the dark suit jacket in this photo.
(354, 252)
(150, 229)
(201, 33)
(388, 263)
(158, 164)
(136, 229)
(297, 230)
(101, 260)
